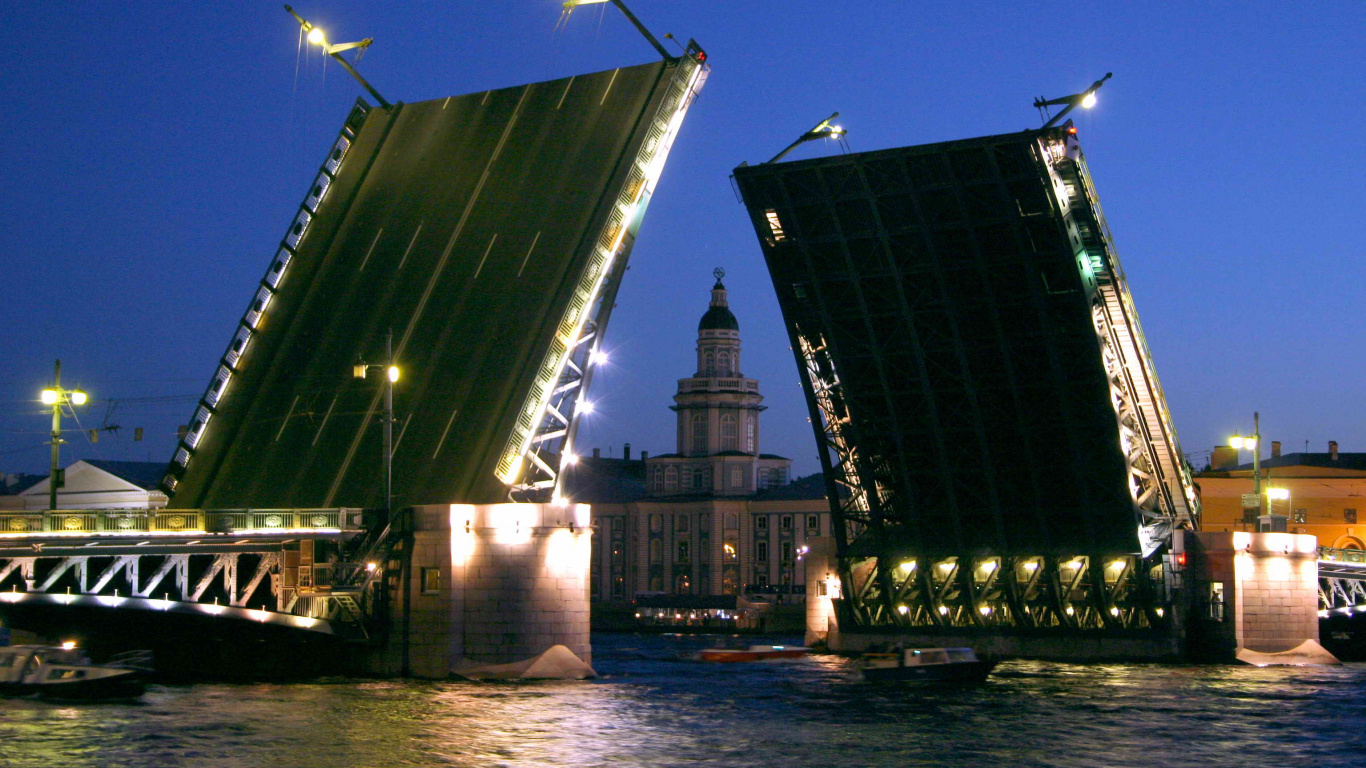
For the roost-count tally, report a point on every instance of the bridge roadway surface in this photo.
(464, 225)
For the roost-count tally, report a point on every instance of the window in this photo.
(813, 522)
(709, 365)
(785, 523)
(761, 551)
(730, 433)
(1250, 516)
(723, 365)
(656, 523)
(683, 552)
(737, 476)
(761, 523)
(619, 586)
(682, 523)
(1349, 516)
(750, 428)
(655, 550)
(732, 520)
(659, 478)
(683, 584)
(786, 552)
(699, 433)
(671, 479)
(699, 478)
(761, 579)
(431, 580)
(1216, 601)
(1301, 515)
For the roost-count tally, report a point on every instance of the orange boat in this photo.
(754, 653)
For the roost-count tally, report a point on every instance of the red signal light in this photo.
(1181, 559)
(1072, 129)
(701, 56)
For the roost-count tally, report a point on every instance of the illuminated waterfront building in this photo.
(716, 518)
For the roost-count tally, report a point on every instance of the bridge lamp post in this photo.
(57, 397)
(1253, 443)
(391, 377)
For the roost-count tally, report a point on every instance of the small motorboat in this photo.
(64, 673)
(754, 653)
(953, 665)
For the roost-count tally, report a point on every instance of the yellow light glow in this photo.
(49, 397)
(903, 610)
(985, 610)
(908, 565)
(1031, 566)
(988, 566)
(315, 36)
(946, 567)
(78, 398)
(1278, 494)
(393, 373)
(570, 459)
(1160, 613)
(1088, 101)
(1249, 443)
(1070, 610)
(370, 567)
(943, 609)
(1114, 611)
(69, 645)
(1116, 564)
(1236, 442)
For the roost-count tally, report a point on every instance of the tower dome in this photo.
(718, 316)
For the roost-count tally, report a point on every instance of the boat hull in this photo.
(728, 656)
(960, 672)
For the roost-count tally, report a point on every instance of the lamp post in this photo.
(391, 376)
(57, 397)
(1253, 443)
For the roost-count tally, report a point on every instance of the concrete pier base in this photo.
(490, 584)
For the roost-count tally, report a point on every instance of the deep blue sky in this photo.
(154, 153)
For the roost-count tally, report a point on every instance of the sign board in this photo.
(1250, 501)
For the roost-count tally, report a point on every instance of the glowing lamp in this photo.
(1088, 101)
(316, 37)
(69, 645)
(78, 398)
(1278, 494)
(393, 373)
(49, 397)
(586, 407)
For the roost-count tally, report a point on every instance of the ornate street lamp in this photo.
(56, 396)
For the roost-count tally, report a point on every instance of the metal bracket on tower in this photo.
(316, 36)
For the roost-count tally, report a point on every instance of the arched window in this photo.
(699, 433)
(730, 433)
(708, 365)
(671, 479)
(732, 520)
(723, 365)
(751, 427)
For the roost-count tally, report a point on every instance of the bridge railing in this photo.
(1342, 555)
(75, 521)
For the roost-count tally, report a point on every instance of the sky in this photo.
(154, 154)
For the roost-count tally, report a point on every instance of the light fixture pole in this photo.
(1086, 99)
(1254, 444)
(57, 397)
(391, 376)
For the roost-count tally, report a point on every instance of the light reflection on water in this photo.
(655, 707)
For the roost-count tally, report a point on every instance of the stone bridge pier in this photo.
(489, 584)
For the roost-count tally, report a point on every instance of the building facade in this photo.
(715, 518)
(1326, 494)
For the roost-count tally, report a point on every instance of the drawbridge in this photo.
(999, 450)
(488, 233)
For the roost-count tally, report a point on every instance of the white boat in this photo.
(954, 665)
(65, 673)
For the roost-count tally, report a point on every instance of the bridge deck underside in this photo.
(462, 224)
(937, 307)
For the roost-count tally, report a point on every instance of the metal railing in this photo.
(75, 521)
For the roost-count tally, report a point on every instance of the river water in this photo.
(653, 706)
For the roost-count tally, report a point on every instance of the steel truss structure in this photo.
(1342, 581)
(986, 406)
(264, 582)
(534, 459)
